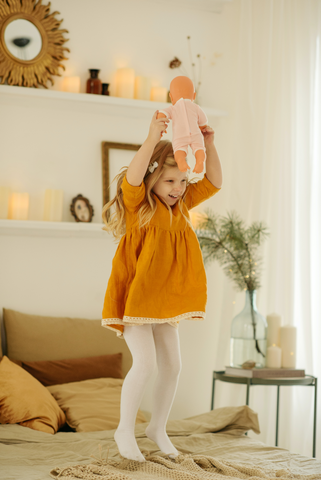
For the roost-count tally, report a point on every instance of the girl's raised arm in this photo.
(138, 166)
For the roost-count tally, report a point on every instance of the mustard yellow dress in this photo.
(158, 273)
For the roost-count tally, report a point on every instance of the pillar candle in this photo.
(196, 218)
(273, 357)
(273, 332)
(125, 82)
(158, 94)
(19, 206)
(4, 202)
(288, 346)
(71, 84)
(53, 205)
(142, 88)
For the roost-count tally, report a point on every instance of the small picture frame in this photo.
(81, 209)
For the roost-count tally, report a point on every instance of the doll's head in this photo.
(181, 87)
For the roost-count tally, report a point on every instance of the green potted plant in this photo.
(227, 240)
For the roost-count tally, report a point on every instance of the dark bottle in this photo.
(94, 83)
(105, 89)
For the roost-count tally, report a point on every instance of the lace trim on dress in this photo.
(163, 320)
(143, 320)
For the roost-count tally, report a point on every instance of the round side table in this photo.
(308, 381)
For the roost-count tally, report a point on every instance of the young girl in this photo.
(158, 276)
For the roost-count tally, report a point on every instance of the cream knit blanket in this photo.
(184, 467)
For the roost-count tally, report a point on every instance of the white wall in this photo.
(54, 146)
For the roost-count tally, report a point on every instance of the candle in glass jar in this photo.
(53, 205)
(125, 82)
(158, 94)
(71, 84)
(274, 322)
(4, 202)
(142, 88)
(273, 357)
(19, 206)
(288, 346)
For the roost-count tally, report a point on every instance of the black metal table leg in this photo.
(213, 390)
(315, 416)
(248, 394)
(277, 415)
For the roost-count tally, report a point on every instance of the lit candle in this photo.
(142, 88)
(125, 82)
(196, 218)
(273, 332)
(288, 346)
(53, 205)
(158, 94)
(71, 84)
(273, 357)
(4, 202)
(19, 206)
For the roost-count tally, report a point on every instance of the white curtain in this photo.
(274, 175)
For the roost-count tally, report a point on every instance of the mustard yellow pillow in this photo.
(91, 405)
(25, 401)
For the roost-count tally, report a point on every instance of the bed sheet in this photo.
(31, 455)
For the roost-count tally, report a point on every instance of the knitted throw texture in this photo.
(184, 467)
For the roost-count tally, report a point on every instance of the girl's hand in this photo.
(157, 128)
(208, 134)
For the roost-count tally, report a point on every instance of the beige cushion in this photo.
(25, 401)
(35, 337)
(91, 405)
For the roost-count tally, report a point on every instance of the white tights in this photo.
(149, 344)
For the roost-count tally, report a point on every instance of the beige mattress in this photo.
(220, 434)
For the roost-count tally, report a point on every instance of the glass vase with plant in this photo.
(227, 240)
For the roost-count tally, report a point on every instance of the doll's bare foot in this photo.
(180, 159)
(200, 157)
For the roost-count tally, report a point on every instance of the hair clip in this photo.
(153, 166)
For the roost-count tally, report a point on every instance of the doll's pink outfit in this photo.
(187, 117)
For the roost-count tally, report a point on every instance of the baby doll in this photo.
(188, 121)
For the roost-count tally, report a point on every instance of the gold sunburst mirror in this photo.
(31, 43)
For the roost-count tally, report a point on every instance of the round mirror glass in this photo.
(23, 39)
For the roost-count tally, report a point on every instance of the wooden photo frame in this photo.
(106, 146)
(81, 209)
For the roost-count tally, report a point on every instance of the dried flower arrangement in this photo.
(176, 63)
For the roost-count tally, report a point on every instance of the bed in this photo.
(60, 384)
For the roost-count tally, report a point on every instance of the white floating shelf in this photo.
(214, 6)
(34, 228)
(102, 103)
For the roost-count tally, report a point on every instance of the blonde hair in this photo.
(116, 223)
